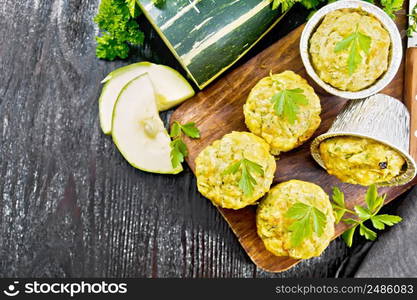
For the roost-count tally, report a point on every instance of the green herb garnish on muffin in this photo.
(356, 42)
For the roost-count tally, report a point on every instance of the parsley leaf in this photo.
(158, 3)
(188, 129)
(246, 181)
(374, 203)
(178, 152)
(308, 218)
(286, 103)
(178, 148)
(119, 29)
(338, 204)
(348, 236)
(356, 42)
(285, 4)
(133, 7)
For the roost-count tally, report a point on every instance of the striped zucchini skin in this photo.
(208, 36)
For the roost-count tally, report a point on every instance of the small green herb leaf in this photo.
(348, 236)
(319, 221)
(374, 203)
(362, 212)
(158, 3)
(188, 129)
(309, 219)
(178, 152)
(300, 230)
(285, 4)
(286, 103)
(345, 43)
(338, 204)
(178, 148)
(412, 24)
(356, 42)
(371, 197)
(246, 181)
(338, 196)
(132, 5)
(191, 130)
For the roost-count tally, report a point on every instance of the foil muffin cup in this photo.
(380, 118)
(396, 50)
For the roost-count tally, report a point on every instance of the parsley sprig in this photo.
(356, 42)
(246, 180)
(308, 219)
(392, 6)
(178, 148)
(374, 203)
(286, 102)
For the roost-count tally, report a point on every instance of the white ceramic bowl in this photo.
(396, 50)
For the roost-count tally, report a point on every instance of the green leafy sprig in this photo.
(246, 180)
(178, 148)
(374, 203)
(412, 26)
(356, 43)
(308, 219)
(119, 29)
(392, 6)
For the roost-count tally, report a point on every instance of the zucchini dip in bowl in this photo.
(351, 48)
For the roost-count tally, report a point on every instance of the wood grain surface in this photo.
(218, 111)
(70, 205)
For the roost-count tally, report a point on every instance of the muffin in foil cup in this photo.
(395, 55)
(380, 118)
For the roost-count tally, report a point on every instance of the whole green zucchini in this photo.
(208, 36)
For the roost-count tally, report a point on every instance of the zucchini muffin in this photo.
(273, 225)
(222, 187)
(332, 66)
(360, 161)
(262, 119)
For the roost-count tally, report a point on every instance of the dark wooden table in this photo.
(70, 205)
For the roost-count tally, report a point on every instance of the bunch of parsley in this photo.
(119, 29)
(389, 6)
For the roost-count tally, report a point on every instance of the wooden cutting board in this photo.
(218, 110)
